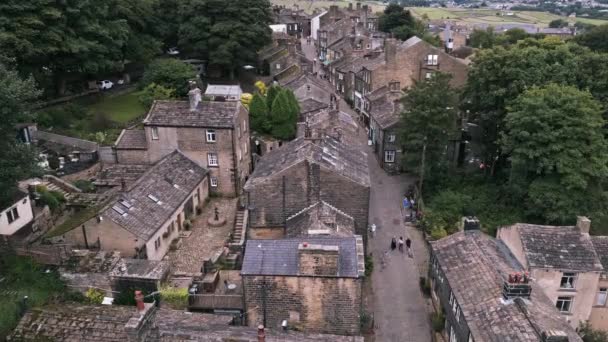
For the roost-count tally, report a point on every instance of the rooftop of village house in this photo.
(330, 154)
(321, 218)
(212, 114)
(476, 267)
(281, 257)
(310, 105)
(558, 247)
(132, 139)
(148, 202)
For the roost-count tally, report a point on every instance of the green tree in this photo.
(170, 74)
(271, 94)
(400, 22)
(226, 33)
(259, 115)
(588, 334)
(17, 161)
(596, 38)
(62, 38)
(499, 75)
(155, 92)
(558, 23)
(141, 44)
(427, 122)
(555, 137)
(283, 117)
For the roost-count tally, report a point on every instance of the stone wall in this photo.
(132, 156)
(301, 186)
(313, 304)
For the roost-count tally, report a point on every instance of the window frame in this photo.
(212, 156)
(597, 296)
(432, 59)
(154, 133)
(213, 182)
(388, 153)
(391, 138)
(211, 136)
(572, 276)
(563, 300)
(244, 126)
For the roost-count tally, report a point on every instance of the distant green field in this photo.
(310, 5)
(488, 16)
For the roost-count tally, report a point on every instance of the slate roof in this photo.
(170, 180)
(74, 322)
(600, 243)
(141, 269)
(334, 123)
(208, 114)
(475, 267)
(281, 257)
(304, 79)
(314, 219)
(310, 105)
(385, 112)
(347, 161)
(132, 139)
(558, 247)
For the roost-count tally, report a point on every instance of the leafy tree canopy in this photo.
(258, 114)
(596, 38)
(555, 137)
(17, 161)
(284, 116)
(169, 73)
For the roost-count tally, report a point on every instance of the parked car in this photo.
(105, 84)
(173, 51)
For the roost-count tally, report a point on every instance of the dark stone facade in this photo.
(313, 304)
(300, 186)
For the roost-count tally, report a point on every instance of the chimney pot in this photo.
(261, 333)
(139, 301)
(583, 224)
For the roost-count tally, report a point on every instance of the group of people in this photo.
(399, 244)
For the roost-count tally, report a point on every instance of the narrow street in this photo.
(400, 312)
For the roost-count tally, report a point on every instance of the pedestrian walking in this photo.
(401, 244)
(408, 245)
(372, 229)
(393, 243)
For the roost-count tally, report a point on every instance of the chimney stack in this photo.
(194, 96)
(583, 224)
(390, 51)
(261, 334)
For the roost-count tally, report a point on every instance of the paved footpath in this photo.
(400, 312)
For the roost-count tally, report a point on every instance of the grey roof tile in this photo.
(600, 243)
(310, 105)
(281, 257)
(170, 180)
(208, 114)
(475, 267)
(132, 139)
(348, 161)
(558, 247)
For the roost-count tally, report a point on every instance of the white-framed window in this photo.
(432, 59)
(154, 133)
(212, 159)
(240, 154)
(210, 135)
(213, 182)
(340, 76)
(602, 294)
(238, 131)
(471, 338)
(278, 66)
(389, 156)
(457, 313)
(564, 304)
(391, 138)
(246, 148)
(428, 75)
(453, 337)
(451, 298)
(12, 215)
(568, 280)
(244, 125)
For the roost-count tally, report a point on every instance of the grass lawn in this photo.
(22, 277)
(121, 108)
(488, 16)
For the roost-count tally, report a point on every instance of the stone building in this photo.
(397, 67)
(338, 22)
(147, 215)
(320, 219)
(307, 86)
(313, 284)
(215, 134)
(330, 122)
(599, 311)
(297, 21)
(481, 288)
(116, 323)
(17, 216)
(562, 260)
(384, 112)
(301, 173)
